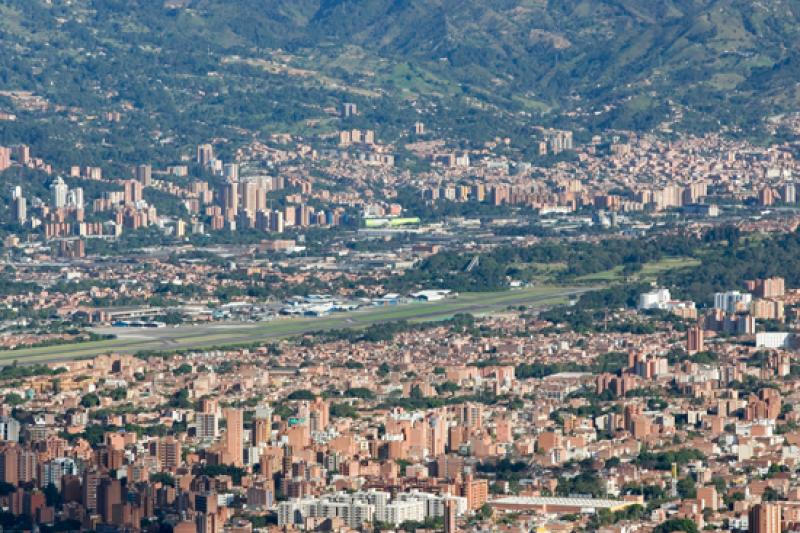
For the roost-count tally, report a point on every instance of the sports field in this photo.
(218, 335)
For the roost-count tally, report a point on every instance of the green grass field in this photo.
(218, 335)
(649, 271)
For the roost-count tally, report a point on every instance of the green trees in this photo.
(605, 517)
(343, 410)
(164, 478)
(302, 394)
(236, 473)
(664, 460)
(184, 368)
(686, 488)
(484, 513)
(435, 524)
(117, 394)
(90, 400)
(12, 522)
(14, 399)
(726, 267)
(52, 495)
(472, 84)
(447, 270)
(505, 469)
(670, 526)
(360, 392)
(583, 483)
(94, 433)
(180, 399)
(16, 372)
(448, 387)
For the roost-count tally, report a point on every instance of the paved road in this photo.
(217, 335)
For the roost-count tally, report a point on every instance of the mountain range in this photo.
(232, 67)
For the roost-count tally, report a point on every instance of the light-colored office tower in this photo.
(261, 196)
(290, 215)
(249, 191)
(75, 198)
(58, 190)
(349, 109)
(732, 301)
(231, 171)
(94, 173)
(21, 209)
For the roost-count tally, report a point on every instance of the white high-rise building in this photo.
(398, 512)
(21, 209)
(9, 429)
(20, 204)
(59, 191)
(367, 506)
(657, 299)
(75, 198)
(732, 301)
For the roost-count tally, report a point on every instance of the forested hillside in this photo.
(187, 70)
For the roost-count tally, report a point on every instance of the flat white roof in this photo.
(567, 375)
(565, 502)
(431, 292)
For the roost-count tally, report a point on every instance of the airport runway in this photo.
(218, 335)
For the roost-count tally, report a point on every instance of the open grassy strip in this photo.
(649, 271)
(168, 339)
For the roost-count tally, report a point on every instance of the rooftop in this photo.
(597, 503)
